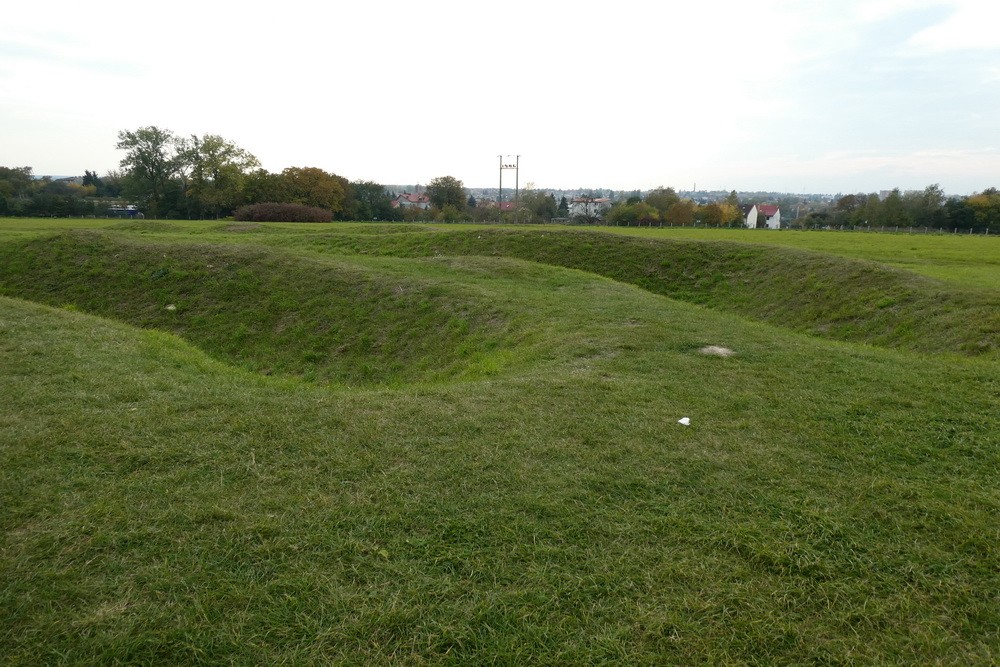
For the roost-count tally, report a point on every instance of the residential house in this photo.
(588, 207)
(762, 215)
(410, 200)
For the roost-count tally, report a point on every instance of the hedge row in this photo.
(273, 212)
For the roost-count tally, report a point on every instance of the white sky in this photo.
(820, 96)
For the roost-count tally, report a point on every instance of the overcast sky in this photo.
(821, 96)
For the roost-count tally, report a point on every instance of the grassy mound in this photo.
(270, 312)
(829, 504)
(819, 294)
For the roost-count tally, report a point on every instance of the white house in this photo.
(588, 207)
(762, 215)
(409, 200)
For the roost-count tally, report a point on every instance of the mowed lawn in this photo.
(403, 444)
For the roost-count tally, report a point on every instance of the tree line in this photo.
(928, 208)
(196, 177)
(208, 176)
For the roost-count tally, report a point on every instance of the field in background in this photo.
(963, 259)
(382, 444)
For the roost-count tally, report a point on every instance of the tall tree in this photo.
(563, 209)
(926, 207)
(218, 170)
(150, 161)
(447, 191)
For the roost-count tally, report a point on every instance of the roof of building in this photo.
(413, 198)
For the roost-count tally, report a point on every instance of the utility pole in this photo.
(516, 166)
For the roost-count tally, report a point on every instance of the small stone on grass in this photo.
(717, 351)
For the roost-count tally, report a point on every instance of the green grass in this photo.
(968, 260)
(517, 491)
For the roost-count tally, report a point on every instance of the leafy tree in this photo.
(218, 170)
(538, 205)
(872, 210)
(371, 201)
(681, 213)
(16, 182)
(111, 185)
(447, 190)
(959, 213)
(662, 199)
(732, 216)
(986, 208)
(150, 161)
(261, 186)
(893, 211)
(91, 178)
(448, 213)
(711, 215)
(849, 209)
(637, 213)
(925, 208)
(312, 186)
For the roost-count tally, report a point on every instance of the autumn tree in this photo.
(312, 186)
(732, 216)
(711, 215)
(662, 199)
(680, 213)
(986, 208)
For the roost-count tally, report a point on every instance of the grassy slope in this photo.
(273, 313)
(829, 504)
(809, 292)
(972, 261)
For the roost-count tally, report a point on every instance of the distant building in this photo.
(410, 200)
(588, 207)
(761, 216)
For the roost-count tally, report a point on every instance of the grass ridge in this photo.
(819, 294)
(269, 311)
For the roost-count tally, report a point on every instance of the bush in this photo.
(273, 212)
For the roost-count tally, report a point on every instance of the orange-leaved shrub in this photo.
(275, 212)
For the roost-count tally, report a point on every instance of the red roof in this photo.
(767, 209)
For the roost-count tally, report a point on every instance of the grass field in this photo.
(402, 444)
